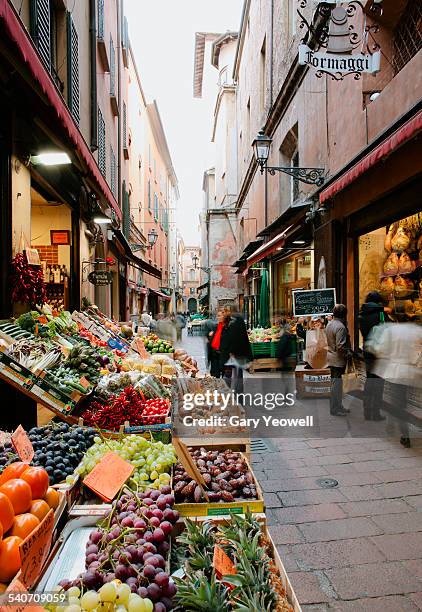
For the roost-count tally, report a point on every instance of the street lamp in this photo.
(152, 238)
(195, 260)
(262, 145)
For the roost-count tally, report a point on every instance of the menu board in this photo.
(313, 302)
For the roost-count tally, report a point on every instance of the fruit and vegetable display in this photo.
(259, 334)
(35, 354)
(128, 406)
(226, 475)
(58, 448)
(45, 324)
(154, 344)
(126, 557)
(148, 386)
(152, 460)
(25, 499)
(254, 585)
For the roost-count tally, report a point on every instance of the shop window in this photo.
(102, 161)
(113, 173)
(73, 68)
(407, 39)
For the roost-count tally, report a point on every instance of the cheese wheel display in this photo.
(391, 265)
(401, 240)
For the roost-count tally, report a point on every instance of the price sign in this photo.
(34, 550)
(16, 597)
(22, 445)
(142, 350)
(84, 382)
(223, 565)
(313, 302)
(108, 476)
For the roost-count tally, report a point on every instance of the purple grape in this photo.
(159, 607)
(153, 560)
(65, 584)
(90, 579)
(95, 536)
(166, 489)
(163, 548)
(154, 592)
(121, 572)
(140, 524)
(161, 579)
(91, 558)
(157, 514)
(154, 495)
(169, 499)
(148, 537)
(149, 547)
(170, 590)
(167, 527)
(133, 583)
(148, 501)
(167, 603)
(91, 548)
(127, 521)
(109, 577)
(149, 571)
(142, 592)
(158, 535)
(155, 522)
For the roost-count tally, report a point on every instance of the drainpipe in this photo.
(271, 46)
(119, 8)
(93, 74)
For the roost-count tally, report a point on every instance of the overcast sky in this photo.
(162, 35)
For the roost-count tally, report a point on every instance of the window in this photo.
(248, 122)
(262, 74)
(192, 275)
(72, 68)
(407, 35)
(155, 207)
(41, 29)
(192, 290)
(101, 19)
(113, 168)
(125, 42)
(112, 68)
(125, 210)
(124, 126)
(149, 194)
(102, 162)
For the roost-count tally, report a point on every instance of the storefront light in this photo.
(261, 145)
(298, 242)
(55, 158)
(102, 219)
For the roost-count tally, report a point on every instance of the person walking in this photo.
(236, 352)
(370, 316)
(214, 345)
(339, 351)
(180, 325)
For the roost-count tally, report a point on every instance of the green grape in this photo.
(123, 594)
(90, 600)
(108, 592)
(74, 592)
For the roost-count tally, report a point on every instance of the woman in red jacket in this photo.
(216, 369)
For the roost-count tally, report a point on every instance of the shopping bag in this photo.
(316, 348)
(352, 381)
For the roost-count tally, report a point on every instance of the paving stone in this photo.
(285, 534)
(372, 580)
(305, 498)
(399, 489)
(415, 501)
(289, 445)
(372, 508)
(414, 566)
(398, 475)
(393, 603)
(341, 529)
(341, 468)
(361, 493)
(271, 500)
(316, 608)
(291, 484)
(341, 553)
(346, 448)
(308, 588)
(300, 472)
(289, 562)
(356, 478)
(308, 514)
(327, 442)
(404, 522)
(416, 598)
(372, 455)
(328, 460)
(370, 466)
(280, 462)
(301, 453)
(400, 546)
(405, 462)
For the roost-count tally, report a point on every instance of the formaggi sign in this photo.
(340, 64)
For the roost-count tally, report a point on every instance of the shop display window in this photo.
(390, 262)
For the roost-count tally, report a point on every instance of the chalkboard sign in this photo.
(100, 278)
(313, 302)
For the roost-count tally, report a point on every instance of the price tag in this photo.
(108, 476)
(22, 444)
(20, 603)
(223, 565)
(34, 550)
(84, 382)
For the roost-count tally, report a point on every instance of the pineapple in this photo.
(198, 593)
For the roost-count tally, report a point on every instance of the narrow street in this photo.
(356, 547)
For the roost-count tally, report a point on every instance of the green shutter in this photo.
(149, 194)
(126, 211)
(102, 161)
(113, 182)
(112, 68)
(124, 126)
(40, 27)
(72, 68)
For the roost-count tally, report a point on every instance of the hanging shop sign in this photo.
(60, 237)
(100, 278)
(313, 302)
(340, 49)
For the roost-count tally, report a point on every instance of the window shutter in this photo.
(112, 68)
(101, 144)
(73, 68)
(101, 19)
(113, 183)
(149, 195)
(41, 29)
(126, 211)
(124, 126)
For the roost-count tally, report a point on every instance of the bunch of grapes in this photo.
(130, 547)
(152, 460)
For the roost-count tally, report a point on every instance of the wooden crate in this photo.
(269, 363)
(313, 384)
(243, 445)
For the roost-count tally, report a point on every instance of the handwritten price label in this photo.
(34, 550)
(108, 476)
(15, 597)
(22, 444)
(223, 565)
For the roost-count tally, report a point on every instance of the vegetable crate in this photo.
(261, 349)
(274, 348)
(238, 506)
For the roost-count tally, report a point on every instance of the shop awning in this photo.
(403, 134)
(204, 286)
(15, 31)
(143, 265)
(265, 250)
(161, 295)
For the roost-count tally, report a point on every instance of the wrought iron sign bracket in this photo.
(310, 176)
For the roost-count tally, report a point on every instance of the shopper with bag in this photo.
(215, 335)
(339, 351)
(236, 352)
(371, 315)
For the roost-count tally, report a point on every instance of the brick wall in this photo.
(49, 254)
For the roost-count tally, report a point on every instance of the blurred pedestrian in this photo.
(180, 325)
(236, 352)
(339, 351)
(371, 315)
(214, 345)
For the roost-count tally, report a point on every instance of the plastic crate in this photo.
(274, 348)
(261, 349)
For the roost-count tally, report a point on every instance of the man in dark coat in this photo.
(371, 314)
(235, 344)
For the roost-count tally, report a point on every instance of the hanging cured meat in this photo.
(403, 286)
(401, 240)
(391, 265)
(388, 239)
(387, 286)
(419, 247)
(405, 264)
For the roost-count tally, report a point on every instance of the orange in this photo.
(37, 478)
(6, 512)
(23, 525)
(14, 470)
(10, 561)
(39, 508)
(52, 497)
(19, 493)
(1, 532)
